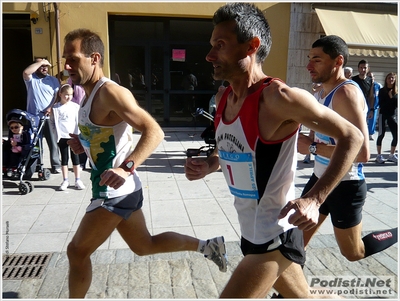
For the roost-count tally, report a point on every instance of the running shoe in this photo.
(392, 158)
(379, 159)
(79, 185)
(64, 185)
(217, 253)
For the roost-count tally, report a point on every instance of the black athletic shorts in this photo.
(344, 203)
(122, 206)
(289, 243)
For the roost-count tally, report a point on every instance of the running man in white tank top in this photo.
(327, 58)
(257, 122)
(106, 118)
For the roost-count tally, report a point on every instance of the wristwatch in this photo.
(313, 148)
(129, 166)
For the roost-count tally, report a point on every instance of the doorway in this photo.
(17, 55)
(162, 62)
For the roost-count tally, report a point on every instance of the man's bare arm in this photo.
(27, 73)
(123, 106)
(300, 106)
(349, 103)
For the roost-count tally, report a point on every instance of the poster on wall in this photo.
(178, 55)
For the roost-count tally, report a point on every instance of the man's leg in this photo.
(140, 241)
(134, 231)
(255, 275)
(354, 247)
(95, 228)
(285, 284)
(350, 243)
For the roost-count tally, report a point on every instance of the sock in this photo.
(202, 247)
(77, 179)
(379, 241)
(66, 179)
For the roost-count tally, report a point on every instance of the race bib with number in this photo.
(239, 173)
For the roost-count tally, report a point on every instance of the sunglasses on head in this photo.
(14, 127)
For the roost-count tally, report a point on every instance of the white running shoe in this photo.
(217, 253)
(79, 185)
(64, 185)
(392, 158)
(379, 159)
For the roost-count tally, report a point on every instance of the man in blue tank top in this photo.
(327, 58)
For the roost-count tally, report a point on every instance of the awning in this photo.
(366, 34)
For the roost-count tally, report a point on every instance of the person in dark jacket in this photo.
(387, 115)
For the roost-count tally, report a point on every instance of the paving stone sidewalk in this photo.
(120, 274)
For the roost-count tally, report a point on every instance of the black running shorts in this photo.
(344, 203)
(289, 243)
(122, 206)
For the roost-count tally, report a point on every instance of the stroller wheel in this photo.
(30, 186)
(23, 188)
(45, 174)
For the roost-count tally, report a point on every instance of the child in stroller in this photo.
(17, 145)
(22, 152)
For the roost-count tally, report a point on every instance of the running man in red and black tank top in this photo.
(256, 132)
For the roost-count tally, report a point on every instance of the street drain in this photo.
(16, 267)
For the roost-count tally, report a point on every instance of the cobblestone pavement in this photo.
(120, 274)
(45, 220)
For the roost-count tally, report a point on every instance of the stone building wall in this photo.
(305, 28)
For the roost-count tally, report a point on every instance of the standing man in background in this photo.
(373, 106)
(42, 89)
(365, 83)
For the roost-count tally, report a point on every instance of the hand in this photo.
(113, 177)
(303, 144)
(44, 62)
(306, 213)
(370, 115)
(75, 144)
(195, 168)
(13, 142)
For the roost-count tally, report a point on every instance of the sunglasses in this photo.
(14, 127)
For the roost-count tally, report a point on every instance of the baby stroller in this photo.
(208, 136)
(32, 157)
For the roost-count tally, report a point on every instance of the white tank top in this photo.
(321, 163)
(260, 174)
(106, 147)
